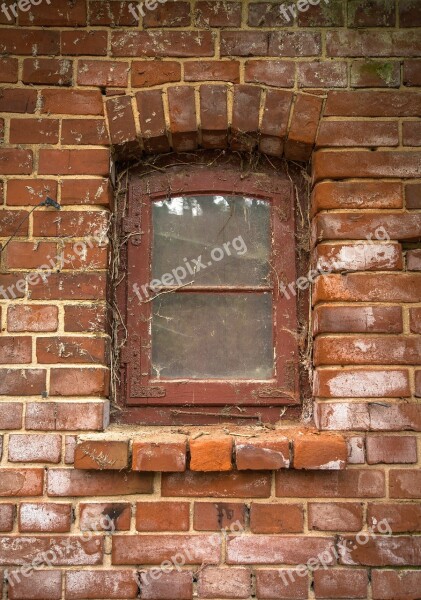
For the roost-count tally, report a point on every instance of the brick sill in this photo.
(296, 448)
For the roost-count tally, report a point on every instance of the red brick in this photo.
(105, 517)
(335, 516)
(224, 583)
(281, 583)
(360, 350)
(85, 43)
(92, 132)
(303, 128)
(355, 257)
(79, 257)
(394, 585)
(274, 123)
(36, 585)
(11, 415)
(413, 195)
(411, 72)
(360, 383)
(319, 451)
(86, 191)
(381, 551)
(49, 15)
(72, 223)
(355, 287)
(92, 584)
(153, 549)
(254, 484)
(330, 15)
(47, 71)
(339, 165)
(28, 382)
(169, 586)
(44, 517)
(11, 286)
(409, 14)
(29, 192)
(69, 482)
(15, 162)
(355, 483)
(377, 13)
(245, 116)
(215, 70)
(15, 350)
(214, 116)
(74, 550)
(357, 133)
(183, 124)
(322, 74)
(357, 319)
(155, 72)
(341, 583)
(361, 43)
(83, 286)
(366, 74)
(173, 14)
(411, 133)
(84, 318)
(73, 162)
(71, 349)
(102, 73)
(162, 43)
(381, 226)
(18, 100)
(278, 73)
(31, 42)
(70, 442)
(217, 14)
(72, 102)
(395, 417)
(79, 382)
(372, 104)
(215, 516)
(209, 454)
(276, 518)
(34, 448)
(121, 122)
(391, 449)
(273, 549)
(266, 14)
(7, 516)
(21, 482)
(162, 516)
(99, 455)
(31, 255)
(9, 70)
(360, 194)
(244, 43)
(415, 320)
(159, 456)
(72, 416)
(263, 454)
(405, 483)
(401, 518)
(294, 43)
(152, 121)
(103, 12)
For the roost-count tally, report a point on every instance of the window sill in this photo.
(297, 448)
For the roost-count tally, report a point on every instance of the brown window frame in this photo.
(153, 401)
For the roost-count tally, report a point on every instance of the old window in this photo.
(208, 329)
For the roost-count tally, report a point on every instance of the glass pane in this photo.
(212, 336)
(213, 240)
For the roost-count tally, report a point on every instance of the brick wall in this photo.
(336, 89)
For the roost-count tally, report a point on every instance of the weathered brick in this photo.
(15, 350)
(372, 104)
(7, 516)
(273, 549)
(303, 128)
(92, 132)
(155, 72)
(49, 15)
(33, 42)
(381, 551)
(152, 121)
(8, 70)
(63, 416)
(224, 583)
(86, 191)
(21, 482)
(262, 454)
(215, 516)
(173, 14)
(162, 43)
(244, 43)
(395, 417)
(183, 124)
(73, 162)
(36, 585)
(389, 585)
(355, 483)
(210, 13)
(357, 194)
(22, 382)
(276, 518)
(74, 550)
(245, 116)
(24, 192)
(47, 71)
(215, 70)
(42, 517)
(322, 74)
(339, 165)
(365, 43)
(409, 14)
(209, 454)
(411, 72)
(121, 123)
(366, 74)
(405, 483)
(18, 100)
(401, 518)
(363, 350)
(415, 320)
(11, 415)
(113, 584)
(104, 517)
(15, 162)
(254, 484)
(381, 226)
(153, 549)
(357, 319)
(85, 318)
(333, 258)
(159, 456)
(316, 451)
(79, 382)
(162, 516)
(72, 102)
(279, 73)
(377, 13)
(70, 482)
(101, 73)
(391, 449)
(357, 133)
(113, 14)
(71, 349)
(99, 455)
(360, 383)
(69, 286)
(169, 586)
(335, 516)
(34, 448)
(411, 134)
(272, 584)
(340, 583)
(85, 43)
(213, 116)
(31, 255)
(294, 43)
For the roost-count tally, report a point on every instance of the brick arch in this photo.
(240, 117)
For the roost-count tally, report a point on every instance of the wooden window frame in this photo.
(154, 397)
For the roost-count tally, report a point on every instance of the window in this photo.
(207, 327)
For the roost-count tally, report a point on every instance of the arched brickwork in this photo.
(240, 117)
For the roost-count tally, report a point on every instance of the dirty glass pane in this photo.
(212, 336)
(213, 240)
